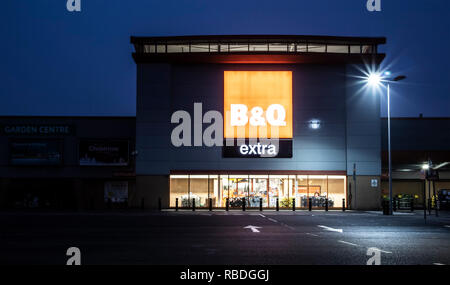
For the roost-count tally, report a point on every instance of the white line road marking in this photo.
(438, 263)
(447, 226)
(253, 228)
(312, 234)
(330, 229)
(346, 242)
(289, 227)
(270, 219)
(262, 215)
(384, 251)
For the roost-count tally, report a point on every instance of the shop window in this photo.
(199, 190)
(224, 48)
(177, 48)
(278, 189)
(337, 49)
(336, 190)
(253, 188)
(225, 189)
(214, 190)
(200, 48)
(302, 48)
(238, 48)
(239, 187)
(316, 48)
(367, 49)
(149, 48)
(300, 191)
(291, 47)
(278, 47)
(317, 190)
(179, 185)
(161, 48)
(258, 47)
(258, 190)
(355, 49)
(213, 48)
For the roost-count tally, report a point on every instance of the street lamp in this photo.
(375, 79)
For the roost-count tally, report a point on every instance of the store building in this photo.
(330, 134)
(87, 163)
(66, 162)
(332, 142)
(415, 142)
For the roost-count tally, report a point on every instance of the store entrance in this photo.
(253, 189)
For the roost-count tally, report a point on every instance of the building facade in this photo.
(71, 163)
(332, 144)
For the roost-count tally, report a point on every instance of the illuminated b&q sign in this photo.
(258, 100)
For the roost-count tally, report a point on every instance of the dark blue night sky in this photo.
(54, 62)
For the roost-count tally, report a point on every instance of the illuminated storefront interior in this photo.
(253, 188)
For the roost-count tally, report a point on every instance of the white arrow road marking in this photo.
(330, 229)
(253, 228)
(346, 242)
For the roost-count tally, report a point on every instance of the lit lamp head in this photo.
(374, 79)
(314, 124)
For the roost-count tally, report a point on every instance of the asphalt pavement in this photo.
(220, 237)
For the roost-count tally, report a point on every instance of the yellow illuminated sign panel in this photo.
(256, 103)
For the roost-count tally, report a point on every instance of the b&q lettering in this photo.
(275, 115)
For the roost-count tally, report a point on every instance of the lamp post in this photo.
(376, 79)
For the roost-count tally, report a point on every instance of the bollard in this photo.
(310, 204)
(326, 205)
(343, 204)
(159, 204)
(429, 206)
(210, 204)
(260, 204)
(243, 204)
(293, 204)
(142, 204)
(385, 205)
(278, 205)
(394, 205)
(412, 205)
(193, 204)
(227, 204)
(176, 204)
